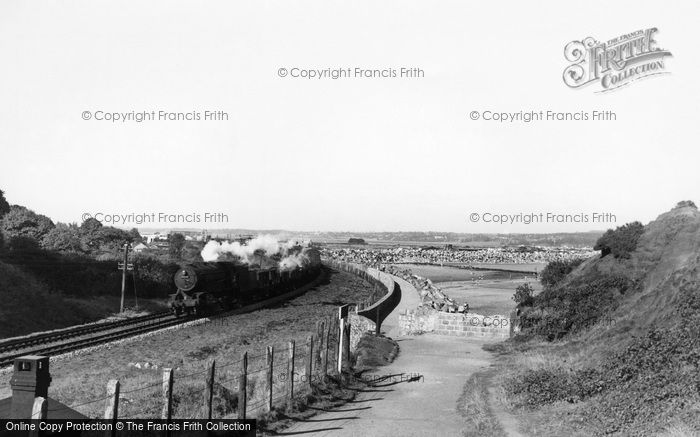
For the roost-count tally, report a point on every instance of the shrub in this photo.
(83, 276)
(154, 275)
(620, 242)
(684, 203)
(575, 306)
(555, 271)
(524, 295)
(638, 389)
(22, 243)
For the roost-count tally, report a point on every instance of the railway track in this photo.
(80, 337)
(55, 336)
(85, 336)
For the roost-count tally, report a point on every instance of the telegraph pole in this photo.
(124, 266)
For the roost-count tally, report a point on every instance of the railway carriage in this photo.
(207, 287)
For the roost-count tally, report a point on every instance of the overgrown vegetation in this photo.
(524, 295)
(81, 260)
(555, 271)
(638, 374)
(649, 380)
(620, 242)
(574, 306)
(62, 261)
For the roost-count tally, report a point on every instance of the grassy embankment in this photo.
(614, 347)
(28, 305)
(189, 350)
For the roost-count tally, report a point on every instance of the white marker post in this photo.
(342, 315)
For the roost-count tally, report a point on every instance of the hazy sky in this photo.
(349, 154)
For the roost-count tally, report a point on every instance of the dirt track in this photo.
(397, 406)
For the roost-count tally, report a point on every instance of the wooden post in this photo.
(269, 380)
(290, 370)
(112, 409)
(242, 381)
(346, 343)
(167, 412)
(39, 410)
(209, 392)
(341, 336)
(309, 359)
(342, 315)
(319, 345)
(325, 343)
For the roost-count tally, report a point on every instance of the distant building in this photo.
(141, 247)
(156, 236)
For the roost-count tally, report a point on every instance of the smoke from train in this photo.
(264, 251)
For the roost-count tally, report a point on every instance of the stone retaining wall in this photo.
(358, 327)
(413, 322)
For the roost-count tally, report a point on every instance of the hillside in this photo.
(626, 338)
(29, 306)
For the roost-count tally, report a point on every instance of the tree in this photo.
(177, 243)
(620, 242)
(90, 226)
(23, 222)
(21, 243)
(524, 295)
(98, 238)
(135, 236)
(111, 239)
(4, 206)
(192, 252)
(64, 238)
(555, 271)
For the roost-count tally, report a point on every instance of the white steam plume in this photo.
(292, 253)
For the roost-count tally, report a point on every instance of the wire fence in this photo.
(252, 384)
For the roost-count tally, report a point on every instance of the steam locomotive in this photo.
(208, 287)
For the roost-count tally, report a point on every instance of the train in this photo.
(209, 287)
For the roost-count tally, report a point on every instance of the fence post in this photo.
(309, 358)
(324, 350)
(343, 343)
(242, 381)
(167, 412)
(269, 381)
(341, 336)
(319, 345)
(112, 409)
(290, 369)
(346, 353)
(209, 392)
(39, 410)
(377, 324)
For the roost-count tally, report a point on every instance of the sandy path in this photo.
(397, 406)
(508, 422)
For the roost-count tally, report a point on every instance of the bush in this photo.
(685, 203)
(524, 295)
(539, 387)
(574, 307)
(23, 244)
(639, 389)
(557, 270)
(620, 242)
(154, 276)
(82, 276)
